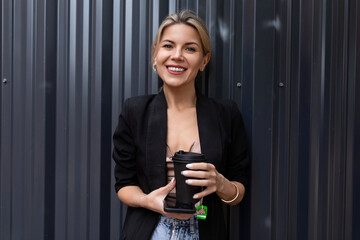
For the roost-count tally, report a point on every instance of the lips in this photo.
(176, 69)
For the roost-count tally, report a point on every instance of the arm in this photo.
(236, 165)
(214, 182)
(228, 192)
(127, 185)
(133, 196)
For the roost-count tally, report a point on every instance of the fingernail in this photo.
(188, 181)
(184, 173)
(195, 196)
(172, 180)
(189, 165)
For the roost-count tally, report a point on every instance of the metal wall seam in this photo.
(352, 211)
(350, 124)
(355, 219)
(62, 125)
(95, 120)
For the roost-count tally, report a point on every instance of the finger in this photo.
(200, 166)
(199, 174)
(170, 186)
(204, 193)
(200, 182)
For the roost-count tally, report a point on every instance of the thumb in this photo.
(171, 185)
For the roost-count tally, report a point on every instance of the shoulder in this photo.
(223, 103)
(137, 105)
(139, 101)
(222, 106)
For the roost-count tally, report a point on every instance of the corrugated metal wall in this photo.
(292, 66)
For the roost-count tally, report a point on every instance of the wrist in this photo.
(222, 186)
(236, 195)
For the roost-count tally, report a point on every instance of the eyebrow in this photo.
(188, 43)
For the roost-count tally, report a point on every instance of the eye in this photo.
(191, 49)
(167, 46)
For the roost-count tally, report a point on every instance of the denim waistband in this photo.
(177, 222)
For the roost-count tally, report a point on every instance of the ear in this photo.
(154, 65)
(205, 61)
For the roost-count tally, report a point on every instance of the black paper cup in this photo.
(185, 192)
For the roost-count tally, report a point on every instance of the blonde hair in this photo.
(188, 18)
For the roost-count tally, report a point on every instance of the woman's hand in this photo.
(206, 175)
(155, 201)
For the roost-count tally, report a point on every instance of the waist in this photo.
(176, 222)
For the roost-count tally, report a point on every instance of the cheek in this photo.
(161, 56)
(197, 63)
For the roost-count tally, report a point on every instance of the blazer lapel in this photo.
(209, 133)
(156, 142)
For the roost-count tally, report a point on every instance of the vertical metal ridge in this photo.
(355, 212)
(315, 121)
(128, 47)
(355, 76)
(85, 116)
(353, 131)
(62, 128)
(49, 41)
(29, 112)
(106, 118)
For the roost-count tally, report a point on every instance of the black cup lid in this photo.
(182, 156)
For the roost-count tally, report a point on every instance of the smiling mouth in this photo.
(176, 69)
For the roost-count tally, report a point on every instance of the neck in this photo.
(180, 98)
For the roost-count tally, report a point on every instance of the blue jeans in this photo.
(171, 229)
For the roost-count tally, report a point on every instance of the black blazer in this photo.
(140, 151)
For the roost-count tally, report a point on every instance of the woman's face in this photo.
(180, 56)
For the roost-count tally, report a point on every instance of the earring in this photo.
(154, 67)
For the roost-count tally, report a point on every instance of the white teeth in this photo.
(175, 69)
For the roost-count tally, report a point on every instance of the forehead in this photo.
(180, 33)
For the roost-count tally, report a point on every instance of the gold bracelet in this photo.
(237, 194)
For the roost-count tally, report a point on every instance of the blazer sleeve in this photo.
(239, 155)
(124, 153)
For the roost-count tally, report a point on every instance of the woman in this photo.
(152, 128)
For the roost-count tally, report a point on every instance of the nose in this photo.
(177, 55)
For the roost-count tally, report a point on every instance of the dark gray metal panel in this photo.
(292, 67)
(6, 119)
(94, 177)
(61, 164)
(352, 209)
(262, 118)
(117, 210)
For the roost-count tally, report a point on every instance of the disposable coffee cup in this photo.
(185, 192)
